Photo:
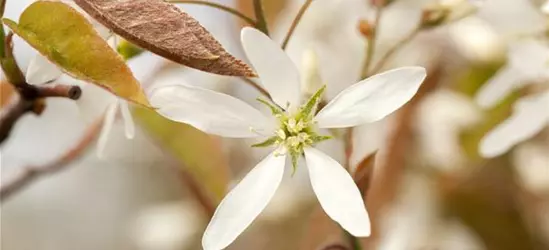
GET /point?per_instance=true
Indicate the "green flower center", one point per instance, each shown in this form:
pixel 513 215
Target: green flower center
pixel 296 131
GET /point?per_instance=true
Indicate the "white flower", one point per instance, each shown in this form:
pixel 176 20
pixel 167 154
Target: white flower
pixel 292 130
pixel 528 62
pixel 530 116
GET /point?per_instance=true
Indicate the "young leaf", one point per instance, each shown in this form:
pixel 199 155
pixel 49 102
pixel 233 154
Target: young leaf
pixel 67 39
pixel 164 29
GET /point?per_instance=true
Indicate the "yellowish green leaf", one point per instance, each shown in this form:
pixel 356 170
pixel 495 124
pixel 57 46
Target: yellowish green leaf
pixel 68 39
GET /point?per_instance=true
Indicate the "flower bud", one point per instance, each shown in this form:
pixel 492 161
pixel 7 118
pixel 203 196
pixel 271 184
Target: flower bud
pixel 433 16
pixel 310 81
pixel 365 28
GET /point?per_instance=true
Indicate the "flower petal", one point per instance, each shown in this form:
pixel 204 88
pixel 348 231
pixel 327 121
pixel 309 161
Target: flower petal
pixel 278 74
pixel 110 115
pixel 210 111
pixel 129 125
pixel 500 85
pixel 40 71
pixel 244 203
pixel 371 99
pixel 529 117
pixel 337 193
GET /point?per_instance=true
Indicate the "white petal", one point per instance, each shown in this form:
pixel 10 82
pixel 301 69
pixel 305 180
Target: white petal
pixel 94 101
pixel 278 74
pixel 129 125
pixel 244 203
pixel 499 86
pixel 530 116
pixel 337 193
pixel 530 57
pixel 40 71
pixel 110 116
pixel 371 99
pixel 210 111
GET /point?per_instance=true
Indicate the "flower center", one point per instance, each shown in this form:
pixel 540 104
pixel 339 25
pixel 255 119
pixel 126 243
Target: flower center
pixel 296 131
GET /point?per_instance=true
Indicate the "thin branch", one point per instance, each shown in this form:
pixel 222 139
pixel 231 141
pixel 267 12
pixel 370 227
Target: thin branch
pixel 261 20
pixel 66 91
pixel 31 173
pixel 11 114
pixel 372 40
pixel 296 21
pixel 398 46
pixel 256 86
pixel 29 100
pixel 219 6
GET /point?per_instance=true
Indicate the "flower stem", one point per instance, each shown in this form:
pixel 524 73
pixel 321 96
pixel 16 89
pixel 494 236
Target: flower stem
pixel 261 21
pixel 399 45
pixel 219 6
pixel 372 41
pixel 297 18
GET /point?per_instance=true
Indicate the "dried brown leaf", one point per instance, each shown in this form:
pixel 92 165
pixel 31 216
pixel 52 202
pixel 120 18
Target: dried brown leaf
pixel 363 173
pixel 164 29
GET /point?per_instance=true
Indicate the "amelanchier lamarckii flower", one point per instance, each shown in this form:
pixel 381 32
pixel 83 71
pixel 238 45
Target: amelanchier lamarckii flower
pixel 293 130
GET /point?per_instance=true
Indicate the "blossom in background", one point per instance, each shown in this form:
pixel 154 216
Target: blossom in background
pixel 292 130
pixel 527 63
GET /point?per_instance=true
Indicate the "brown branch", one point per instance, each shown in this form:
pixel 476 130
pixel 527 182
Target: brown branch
pixel 30 99
pixel 11 114
pixel 31 173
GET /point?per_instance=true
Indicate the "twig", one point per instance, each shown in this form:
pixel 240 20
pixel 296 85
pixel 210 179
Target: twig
pixel 218 6
pixel 399 45
pixel 372 40
pixel 30 99
pixel 261 21
pixel 31 173
pixel 296 21
pixel 11 114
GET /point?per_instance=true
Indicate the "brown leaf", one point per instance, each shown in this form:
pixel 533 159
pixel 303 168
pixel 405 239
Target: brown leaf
pixel 363 173
pixel 164 29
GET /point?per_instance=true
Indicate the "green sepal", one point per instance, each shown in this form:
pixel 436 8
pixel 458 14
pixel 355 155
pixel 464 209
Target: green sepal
pixel 295 156
pixel 275 109
pixel 320 138
pixel 307 111
pixel 269 142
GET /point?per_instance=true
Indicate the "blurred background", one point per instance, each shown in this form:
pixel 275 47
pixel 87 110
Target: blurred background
pixel 463 166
